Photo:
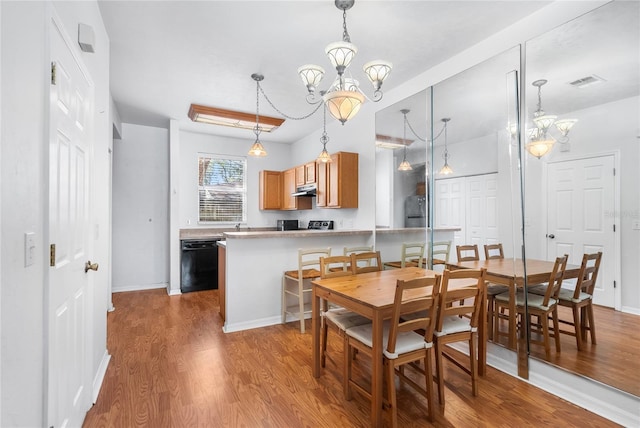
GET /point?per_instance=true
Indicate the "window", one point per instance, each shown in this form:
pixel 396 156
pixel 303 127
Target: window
pixel 222 188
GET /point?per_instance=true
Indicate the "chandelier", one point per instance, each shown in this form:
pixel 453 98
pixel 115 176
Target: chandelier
pixel 344 97
pixel 540 142
pixel 404 165
pixel 256 149
pixel 446 169
pixel 324 155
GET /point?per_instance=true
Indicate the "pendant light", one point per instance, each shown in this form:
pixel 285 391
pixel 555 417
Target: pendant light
pixel 324 156
pixel 446 169
pixel 256 149
pixel 404 165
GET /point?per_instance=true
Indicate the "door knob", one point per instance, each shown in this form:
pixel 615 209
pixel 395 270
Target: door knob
pixel 90 266
pixel 551 236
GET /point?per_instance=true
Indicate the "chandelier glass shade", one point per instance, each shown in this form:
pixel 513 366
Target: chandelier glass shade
pixel 257 150
pixel 540 142
pixel 344 98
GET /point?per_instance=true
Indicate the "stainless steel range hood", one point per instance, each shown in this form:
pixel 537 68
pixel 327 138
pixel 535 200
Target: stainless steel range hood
pixel 306 190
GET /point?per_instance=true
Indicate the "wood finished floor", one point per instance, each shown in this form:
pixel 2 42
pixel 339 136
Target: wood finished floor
pixel 172 366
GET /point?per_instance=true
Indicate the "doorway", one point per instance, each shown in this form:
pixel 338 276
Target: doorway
pixel 581 201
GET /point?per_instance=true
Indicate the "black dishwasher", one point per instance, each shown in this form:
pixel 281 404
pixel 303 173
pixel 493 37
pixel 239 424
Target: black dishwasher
pixel 199 265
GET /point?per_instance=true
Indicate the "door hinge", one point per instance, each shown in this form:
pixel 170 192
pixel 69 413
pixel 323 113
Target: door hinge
pixel 614 284
pixel 53 72
pixel 614 227
pixel 614 172
pixel 52 255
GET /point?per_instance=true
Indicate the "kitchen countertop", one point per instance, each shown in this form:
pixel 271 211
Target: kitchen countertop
pixel 305 233
pixel 415 229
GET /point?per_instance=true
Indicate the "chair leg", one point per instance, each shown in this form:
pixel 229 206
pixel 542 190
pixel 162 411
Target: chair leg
pixel 556 329
pixel 346 372
pixel 592 326
pixel 391 391
pixel 545 337
pixel 323 339
pixel 440 373
pixel 301 304
pixel 428 375
pixel 473 364
pixel 490 305
pixel 576 325
pixel 284 300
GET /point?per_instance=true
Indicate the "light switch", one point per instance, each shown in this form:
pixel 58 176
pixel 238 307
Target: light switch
pixel 29 248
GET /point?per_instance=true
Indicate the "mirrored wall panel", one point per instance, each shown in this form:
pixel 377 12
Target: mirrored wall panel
pixel 582 195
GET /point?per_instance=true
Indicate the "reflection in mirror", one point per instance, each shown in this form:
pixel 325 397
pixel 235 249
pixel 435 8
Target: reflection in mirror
pixel 480 191
pixel 575 203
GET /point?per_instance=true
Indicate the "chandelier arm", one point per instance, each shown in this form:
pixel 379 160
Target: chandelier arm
pixel 284 114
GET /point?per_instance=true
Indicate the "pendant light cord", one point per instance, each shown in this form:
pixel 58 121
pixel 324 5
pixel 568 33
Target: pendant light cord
pixel 284 114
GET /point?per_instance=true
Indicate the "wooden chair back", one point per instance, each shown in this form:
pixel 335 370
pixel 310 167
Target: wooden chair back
pixel 555 279
pixel 462 251
pixel 588 274
pixel 465 301
pixel 366 262
pixel 440 249
pixel 335 266
pixel 493 251
pixel 416 296
pixel 349 250
pixel 412 250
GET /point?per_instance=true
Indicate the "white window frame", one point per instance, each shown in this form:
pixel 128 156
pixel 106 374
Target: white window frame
pixel 242 191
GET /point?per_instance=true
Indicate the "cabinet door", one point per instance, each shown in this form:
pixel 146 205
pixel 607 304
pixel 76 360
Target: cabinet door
pixel 321 184
pixel 270 190
pixel 333 181
pixel 289 186
pixel 300 175
pixel 310 173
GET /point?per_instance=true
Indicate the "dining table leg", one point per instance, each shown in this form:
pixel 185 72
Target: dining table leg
pixel 377 378
pixel 513 315
pixel 482 337
pixel 315 329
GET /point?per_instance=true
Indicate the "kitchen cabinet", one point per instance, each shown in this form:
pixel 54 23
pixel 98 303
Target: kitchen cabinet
pixel 310 173
pixel 300 176
pixel 337 181
pixel 289 186
pixel 271 188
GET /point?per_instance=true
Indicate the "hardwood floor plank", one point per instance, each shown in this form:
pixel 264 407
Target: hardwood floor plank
pixel 172 366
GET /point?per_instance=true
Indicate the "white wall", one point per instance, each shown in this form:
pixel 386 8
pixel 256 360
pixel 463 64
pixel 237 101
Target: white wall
pixel 141 208
pixel 24 187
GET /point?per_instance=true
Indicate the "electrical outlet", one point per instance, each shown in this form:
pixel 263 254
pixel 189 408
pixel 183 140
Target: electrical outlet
pixel 636 225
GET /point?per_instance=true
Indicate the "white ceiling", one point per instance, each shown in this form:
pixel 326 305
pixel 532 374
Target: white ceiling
pixel 166 55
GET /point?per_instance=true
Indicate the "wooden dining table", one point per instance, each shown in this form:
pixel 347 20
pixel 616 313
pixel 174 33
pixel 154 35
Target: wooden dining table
pixel 510 272
pixel 372 295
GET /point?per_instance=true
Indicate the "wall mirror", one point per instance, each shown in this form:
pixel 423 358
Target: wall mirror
pixel 589 70
pixel 475 162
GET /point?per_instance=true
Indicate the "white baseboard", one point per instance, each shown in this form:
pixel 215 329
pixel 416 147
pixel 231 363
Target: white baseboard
pixel 99 377
pixel 138 287
pixel 611 403
pixel 630 310
pixel 264 322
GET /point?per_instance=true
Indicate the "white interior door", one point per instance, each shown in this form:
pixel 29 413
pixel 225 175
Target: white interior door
pixel 580 193
pixel 481 212
pixel 450 207
pixel 71 109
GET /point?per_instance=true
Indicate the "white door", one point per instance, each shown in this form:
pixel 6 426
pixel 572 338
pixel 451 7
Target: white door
pixel 450 207
pixel 71 109
pixel 580 193
pixel 481 212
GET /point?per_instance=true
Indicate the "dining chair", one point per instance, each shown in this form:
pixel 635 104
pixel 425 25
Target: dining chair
pixel 347 251
pixel 580 300
pixel 414 250
pixel 493 251
pixel 336 318
pixel 366 262
pixel 457 321
pixel 467 253
pixel 401 343
pixel 543 307
pixel 297 283
pixel 439 253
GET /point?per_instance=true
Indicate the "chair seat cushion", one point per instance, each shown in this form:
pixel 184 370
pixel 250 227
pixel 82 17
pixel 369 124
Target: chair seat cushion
pixel 494 289
pixel 345 319
pixel 533 300
pixel 454 324
pixel 406 342
pixel 567 295
pixel 306 274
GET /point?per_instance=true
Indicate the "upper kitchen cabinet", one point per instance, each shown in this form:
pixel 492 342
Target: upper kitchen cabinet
pixel 271 187
pixel 289 179
pixel 306 174
pixel 337 181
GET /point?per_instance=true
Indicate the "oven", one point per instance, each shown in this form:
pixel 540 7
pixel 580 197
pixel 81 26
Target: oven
pixel 198 265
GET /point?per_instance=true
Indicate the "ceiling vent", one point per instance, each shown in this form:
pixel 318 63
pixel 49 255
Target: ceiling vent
pixel 587 81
